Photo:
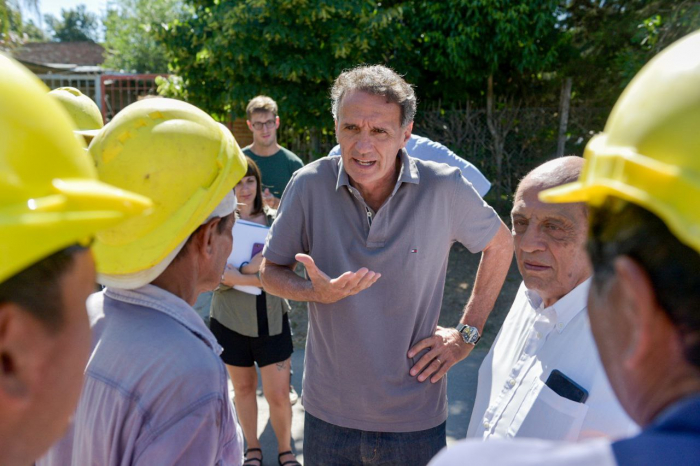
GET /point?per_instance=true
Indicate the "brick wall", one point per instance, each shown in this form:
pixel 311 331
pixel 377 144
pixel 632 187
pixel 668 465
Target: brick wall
pixel 241 132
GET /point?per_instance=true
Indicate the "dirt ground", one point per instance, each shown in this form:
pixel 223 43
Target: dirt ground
pixel 461 271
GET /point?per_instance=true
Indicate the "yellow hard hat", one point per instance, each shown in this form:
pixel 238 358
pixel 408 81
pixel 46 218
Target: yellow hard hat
pixel 649 152
pixel 178 156
pixel 82 109
pixel 50 197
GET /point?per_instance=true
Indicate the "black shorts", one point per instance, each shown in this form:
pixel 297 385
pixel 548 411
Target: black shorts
pixel 243 351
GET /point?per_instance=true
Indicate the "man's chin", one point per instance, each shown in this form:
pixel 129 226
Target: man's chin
pixel 266 142
pixel 535 283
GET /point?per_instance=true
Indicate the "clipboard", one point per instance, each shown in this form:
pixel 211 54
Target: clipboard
pixel 245 235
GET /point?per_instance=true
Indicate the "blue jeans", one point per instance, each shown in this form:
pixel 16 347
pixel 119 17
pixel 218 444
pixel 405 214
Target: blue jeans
pixel 328 444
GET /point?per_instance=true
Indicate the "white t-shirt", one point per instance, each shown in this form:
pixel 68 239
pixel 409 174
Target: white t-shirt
pixel 526 452
pixel 512 399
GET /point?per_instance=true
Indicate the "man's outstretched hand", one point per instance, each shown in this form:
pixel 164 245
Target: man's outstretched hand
pixel 329 290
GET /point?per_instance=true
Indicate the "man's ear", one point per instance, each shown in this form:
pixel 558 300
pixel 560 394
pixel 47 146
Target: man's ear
pixel 206 235
pixel 277 122
pixel 250 126
pixel 650 328
pixel 16 354
pixel 407 134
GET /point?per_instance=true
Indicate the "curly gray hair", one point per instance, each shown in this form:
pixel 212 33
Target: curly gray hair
pixel 376 80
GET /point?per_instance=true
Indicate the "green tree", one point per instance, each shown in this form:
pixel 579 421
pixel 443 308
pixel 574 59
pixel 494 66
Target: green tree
pixel 129 33
pixel 610 41
pixel 462 43
pixel 492 51
pixel 75 25
pixel 292 50
pixel 13 29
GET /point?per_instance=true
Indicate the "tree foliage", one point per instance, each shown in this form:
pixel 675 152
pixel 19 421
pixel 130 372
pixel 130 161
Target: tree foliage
pixel 229 51
pixel 610 41
pixel 74 25
pixel 129 34
pixel 14 30
pixel 461 43
pixel 292 50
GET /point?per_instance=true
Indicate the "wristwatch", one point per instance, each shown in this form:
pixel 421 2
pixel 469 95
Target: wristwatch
pixel 470 334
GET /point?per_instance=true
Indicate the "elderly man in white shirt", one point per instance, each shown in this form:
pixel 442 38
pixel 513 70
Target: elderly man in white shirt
pixel 547 329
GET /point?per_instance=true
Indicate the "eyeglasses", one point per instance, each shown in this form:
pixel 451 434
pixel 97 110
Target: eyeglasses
pixel 264 124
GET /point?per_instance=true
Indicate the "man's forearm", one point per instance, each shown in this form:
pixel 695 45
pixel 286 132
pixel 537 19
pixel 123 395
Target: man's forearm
pixel 244 280
pixel 282 281
pixel 493 268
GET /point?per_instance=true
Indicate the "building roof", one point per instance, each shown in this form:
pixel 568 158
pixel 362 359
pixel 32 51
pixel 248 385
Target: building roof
pixel 60 54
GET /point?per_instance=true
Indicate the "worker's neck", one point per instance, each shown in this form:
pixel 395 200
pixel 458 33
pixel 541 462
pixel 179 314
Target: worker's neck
pixel 674 386
pixel 181 279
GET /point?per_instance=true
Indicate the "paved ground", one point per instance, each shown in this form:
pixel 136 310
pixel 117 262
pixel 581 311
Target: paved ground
pixel 461 388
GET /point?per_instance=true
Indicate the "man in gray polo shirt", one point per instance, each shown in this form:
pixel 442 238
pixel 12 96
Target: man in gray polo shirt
pixel 383 224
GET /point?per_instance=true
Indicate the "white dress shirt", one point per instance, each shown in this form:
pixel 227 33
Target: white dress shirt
pixel 526 452
pixel 512 399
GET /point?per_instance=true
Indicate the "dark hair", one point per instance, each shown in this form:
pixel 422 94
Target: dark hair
pixel 253 170
pixel 37 289
pixel 376 80
pixel 619 228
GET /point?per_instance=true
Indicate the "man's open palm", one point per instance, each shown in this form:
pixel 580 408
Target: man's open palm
pixel 329 290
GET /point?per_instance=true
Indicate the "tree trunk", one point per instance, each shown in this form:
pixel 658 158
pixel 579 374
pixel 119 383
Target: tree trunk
pixel 496 136
pixel 564 103
pixel 315 143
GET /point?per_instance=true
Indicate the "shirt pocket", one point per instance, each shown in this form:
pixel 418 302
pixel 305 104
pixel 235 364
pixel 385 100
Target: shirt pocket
pixel 546 415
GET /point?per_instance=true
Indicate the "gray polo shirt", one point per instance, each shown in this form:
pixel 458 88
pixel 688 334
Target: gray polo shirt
pixel 356 369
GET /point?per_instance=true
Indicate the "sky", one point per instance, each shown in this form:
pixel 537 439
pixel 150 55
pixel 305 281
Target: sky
pixel 54 7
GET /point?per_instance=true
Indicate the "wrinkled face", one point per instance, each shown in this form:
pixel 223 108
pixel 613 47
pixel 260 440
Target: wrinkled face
pixel 264 127
pixel 612 333
pixel 223 244
pixel 246 190
pixel 370 135
pixel 549 244
pixel 65 352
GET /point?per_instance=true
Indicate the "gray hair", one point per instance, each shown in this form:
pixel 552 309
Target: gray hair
pixel 376 80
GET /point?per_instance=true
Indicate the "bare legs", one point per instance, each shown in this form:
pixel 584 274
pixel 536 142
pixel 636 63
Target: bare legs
pixel 245 381
pixel 275 381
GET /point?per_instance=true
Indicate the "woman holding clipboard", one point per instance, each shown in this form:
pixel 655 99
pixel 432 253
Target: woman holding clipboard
pixel 254 329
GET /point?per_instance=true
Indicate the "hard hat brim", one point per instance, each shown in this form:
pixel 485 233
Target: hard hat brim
pixel 571 192
pixel 87 133
pixel 75 210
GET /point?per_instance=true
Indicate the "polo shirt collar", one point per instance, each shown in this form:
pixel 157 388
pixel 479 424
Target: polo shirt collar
pixel 567 307
pixel 408 173
pixel 682 415
pixel 174 307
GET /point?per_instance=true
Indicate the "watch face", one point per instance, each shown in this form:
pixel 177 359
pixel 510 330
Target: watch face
pixel 470 334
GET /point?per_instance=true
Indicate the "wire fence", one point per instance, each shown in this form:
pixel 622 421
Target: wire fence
pixel 529 137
